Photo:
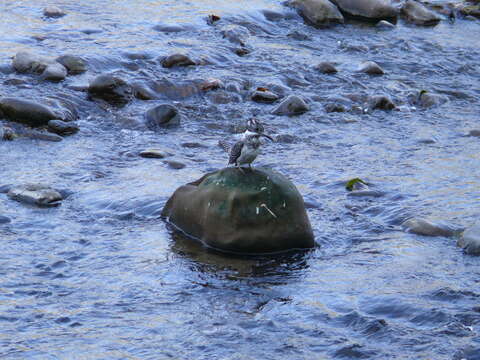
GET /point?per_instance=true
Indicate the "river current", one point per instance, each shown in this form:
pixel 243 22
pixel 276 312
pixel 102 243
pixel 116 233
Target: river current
pixel 103 277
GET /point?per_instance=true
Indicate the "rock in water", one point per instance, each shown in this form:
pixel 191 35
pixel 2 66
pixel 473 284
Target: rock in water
pixel 470 240
pixel 254 212
pixel 369 9
pixel 418 14
pixel 326 67
pixel 264 96
pixel 381 102
pixel 177 60
pixel 55 72
pixel 292 105
pixel 110 89
pixel 62 128
pixel 318 12
pixel 424 227
pixel 35 194
pixel 25 61
pixel 26 112
pixel 371 68
pixel 53 11
pixel 74 64
pixel 164 115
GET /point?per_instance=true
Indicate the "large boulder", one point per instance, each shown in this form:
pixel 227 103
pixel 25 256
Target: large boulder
pixel 255 211
pixel 111 89
pixel 26 112
pixel 318 12
pixel 418 14
pixel 369 9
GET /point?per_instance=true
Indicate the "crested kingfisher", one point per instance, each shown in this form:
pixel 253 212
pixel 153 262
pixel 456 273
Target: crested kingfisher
pixel 246 150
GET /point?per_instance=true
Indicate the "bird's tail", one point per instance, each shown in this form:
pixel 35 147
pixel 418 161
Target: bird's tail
pixel 224 145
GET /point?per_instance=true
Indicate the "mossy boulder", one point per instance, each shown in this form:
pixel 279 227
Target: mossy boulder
pixel 251 212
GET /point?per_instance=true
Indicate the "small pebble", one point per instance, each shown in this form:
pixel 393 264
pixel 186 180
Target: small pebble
pixel 53 11
pixel 175 164
pixel 154 153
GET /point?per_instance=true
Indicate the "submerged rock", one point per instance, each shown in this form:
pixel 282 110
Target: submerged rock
pixel 236 34
pixel 110 89
pixel 4 220
pixel 470 240
pixel 164 115
pixel 371 68
pixel 418 14
pixel 35 194
pixel 427 99
pixel 154 153
pixel 26 112
pixel 369 9
pixel 292 105
pixel 258 212
pixel 173 164
pixel 424 227
pixel 62 128
pixel 143 92
pixel 381 102
pixel 326 67
pixel 42 135
pixel 177 60
pixel 318 12
pixel 53 11
pixel 54 72
pixel 74 64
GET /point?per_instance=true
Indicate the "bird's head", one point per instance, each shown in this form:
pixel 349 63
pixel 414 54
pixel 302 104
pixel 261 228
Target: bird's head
pixel 255 126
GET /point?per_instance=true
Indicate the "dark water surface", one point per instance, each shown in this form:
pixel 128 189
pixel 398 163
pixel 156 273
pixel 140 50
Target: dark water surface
pixel 101 276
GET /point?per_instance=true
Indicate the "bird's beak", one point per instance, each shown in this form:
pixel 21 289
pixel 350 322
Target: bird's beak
pixel 268 137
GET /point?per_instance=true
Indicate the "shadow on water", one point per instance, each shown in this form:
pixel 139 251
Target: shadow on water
pixel 284 266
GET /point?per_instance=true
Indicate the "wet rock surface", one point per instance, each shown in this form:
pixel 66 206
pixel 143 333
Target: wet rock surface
pixel 371 68
pixel 259 213
pixel 162 116
pixel 326 68
pixel 177 60
pixel 54 72
pixel 369 9
pixel 418 14
pixel 111 89
pixel 292 105
pixel 62 128
pixel 34 194
pixel 424 227
pixel 470 240
pixel 26 111
pixel 318 12
pixel 74 64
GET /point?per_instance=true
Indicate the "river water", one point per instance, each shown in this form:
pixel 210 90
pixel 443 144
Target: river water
pixel 102 277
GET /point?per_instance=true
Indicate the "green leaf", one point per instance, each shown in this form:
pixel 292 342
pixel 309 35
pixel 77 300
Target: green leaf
pixel 351 183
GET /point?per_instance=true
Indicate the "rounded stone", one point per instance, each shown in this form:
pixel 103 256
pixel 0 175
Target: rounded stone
pixel 292 105
pixel 264 96
pixel 470 240
pixel 153 153
pixel 381 102
pixel 164 115
pixel 371 68
pixel 256 212
pixel 4 220
pixel 424 227
pixel 53 11
pixel 74 64
pixel 54 72
pixel 418 14
pixel 326 67
pixel 177 60
pixel 62 128
pixel 110 89
pixel 368 9
pixel 26 112
pixel 35 194
pixel 318 12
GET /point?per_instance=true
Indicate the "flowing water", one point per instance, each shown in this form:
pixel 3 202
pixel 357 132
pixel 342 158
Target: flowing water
pixel 102 276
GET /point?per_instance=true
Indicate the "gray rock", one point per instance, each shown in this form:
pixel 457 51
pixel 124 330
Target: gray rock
pixel 371 68
pixel 418 14
pixel 53 11
pixel 470 240
pixel 35 194
pixel 110 89
pixel 143 91
pixel 177 165
pixel 74 64
pixel 384 25
pixel 318 12
pixel 44 136
pixel 264 96
pixel 62 128
pixel 164 115
pixel 4 220
pixel 177 60
pixel 474 132
pixel 26 112
pixel 154 153
pixel 236 34
pixel 335 107
pixel 25 61
pixel 381 102
pixel 370 9
pixel 326 67
pixel 424 227
pixel 55 72
pixel 292 105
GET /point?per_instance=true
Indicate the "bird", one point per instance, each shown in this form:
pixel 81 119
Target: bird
pixel 246 150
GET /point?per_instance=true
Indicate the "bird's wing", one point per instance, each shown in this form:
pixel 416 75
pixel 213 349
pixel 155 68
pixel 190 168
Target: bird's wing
pixel 235 152
pixel 224 145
